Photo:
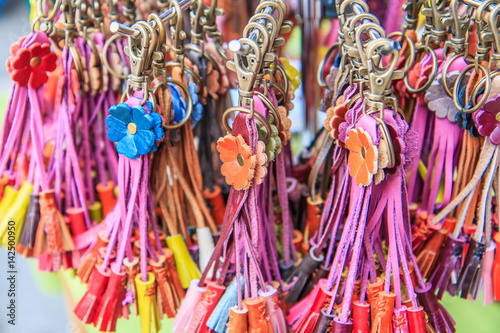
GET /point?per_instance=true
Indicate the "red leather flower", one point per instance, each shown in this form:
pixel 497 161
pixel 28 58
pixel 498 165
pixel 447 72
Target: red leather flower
pixel 29 65
pixel 14 47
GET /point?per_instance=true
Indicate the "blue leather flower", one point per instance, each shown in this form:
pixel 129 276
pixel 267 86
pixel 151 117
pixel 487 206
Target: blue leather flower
pixel 197 112
pixel 135 131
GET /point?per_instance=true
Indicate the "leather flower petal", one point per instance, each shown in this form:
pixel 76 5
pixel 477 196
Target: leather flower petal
pixel 238 161
pixel 363 156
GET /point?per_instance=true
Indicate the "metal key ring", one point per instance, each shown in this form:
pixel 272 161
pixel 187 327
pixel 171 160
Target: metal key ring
pixel 409 65
pixel 433 74
pixel 319 76
pixel 105 57
pixel 480 84
pixel 189 102
pixel 458 82
pixel 263 120
pixel 270 107
pixel 444 73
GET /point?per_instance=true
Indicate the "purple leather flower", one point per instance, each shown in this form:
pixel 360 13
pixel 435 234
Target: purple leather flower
pixel 486 119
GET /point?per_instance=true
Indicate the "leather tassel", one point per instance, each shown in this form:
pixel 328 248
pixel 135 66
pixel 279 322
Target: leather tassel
pixel 206 247
pixel 303 271
pixel 166 295
pixel 146 301
pixel 439 319
pixel 470 276
pixel 495 271
pixel 89 261
pixel 338 327
pixel 446 272
pixel 110 306
pixel 309 321
pixel 186 268
pixel 238 320
pixel 129 303
pixel 416 320
pixel 86 309
pixel 27 240
pixel 257 319
pixel 220 315
pixel 16 213
pixel 53 236
pixel 193 296
pixel 372 293
pixel 400 321
pixel 204 308
pixel 107 197
pixel 382 322
pixel 427 257
pixel 360 317
pixel 299 310
pixel 274 313
pixel 216 202
pixel 488 296
pixel 324 322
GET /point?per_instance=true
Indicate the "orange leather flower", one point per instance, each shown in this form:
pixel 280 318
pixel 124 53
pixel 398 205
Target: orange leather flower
pixel 238 161
pixel 260 166
pixel 286 124
pixel 363 156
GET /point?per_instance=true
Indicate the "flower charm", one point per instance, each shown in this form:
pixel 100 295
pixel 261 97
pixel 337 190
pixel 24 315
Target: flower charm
pixel 135 131
pixel 335 116
pixel 239 165
pixel 197 112
pixel 286 124
pixel 363 156
pixel 437 99
pixel 487 119
pixel 28 66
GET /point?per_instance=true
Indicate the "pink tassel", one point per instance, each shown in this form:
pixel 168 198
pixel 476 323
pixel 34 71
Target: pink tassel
pixel 204 308
pixel 193 296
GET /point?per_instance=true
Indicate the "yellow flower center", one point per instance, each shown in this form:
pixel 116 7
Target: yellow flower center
pixel 35 62
pixel 132 128
pixel 363 152
pixel 240 159
pixel 497 117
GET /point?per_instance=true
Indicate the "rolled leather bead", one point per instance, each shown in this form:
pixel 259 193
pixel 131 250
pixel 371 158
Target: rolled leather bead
pixel 338 327
pixel 324 321
pixel 360 317
pixel 400 321
pixel 238 320
pixel 382 322
pixel 416 320
pixel 320 273
pixel 372 294
pixel 257 319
